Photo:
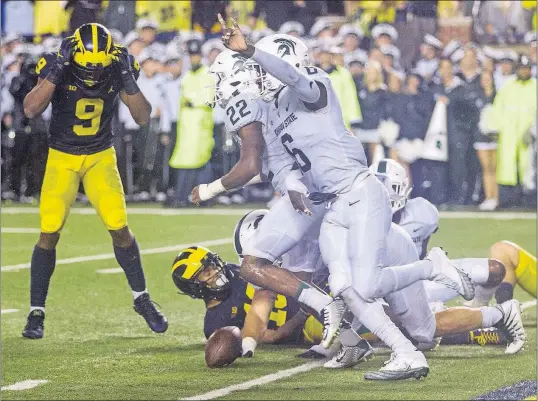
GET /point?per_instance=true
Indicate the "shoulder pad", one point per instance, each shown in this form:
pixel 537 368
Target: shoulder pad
pixel 425 211
pixel 240 111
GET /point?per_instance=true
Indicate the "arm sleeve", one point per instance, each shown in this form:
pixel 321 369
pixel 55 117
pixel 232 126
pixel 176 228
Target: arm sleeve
pixel 306 88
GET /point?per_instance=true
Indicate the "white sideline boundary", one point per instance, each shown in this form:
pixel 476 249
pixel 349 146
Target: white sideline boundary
pixel 240 212
pixel 112 270
pixel 528 305
pixel 104 256
pixel 281 374
pixel 24 385
pixel 20 230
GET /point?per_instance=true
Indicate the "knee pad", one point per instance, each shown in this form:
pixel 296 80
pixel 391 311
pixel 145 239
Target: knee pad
pixel 497 272
pixel 115 219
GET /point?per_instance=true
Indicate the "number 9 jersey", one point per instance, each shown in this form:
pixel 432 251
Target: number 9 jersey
pixel 81 122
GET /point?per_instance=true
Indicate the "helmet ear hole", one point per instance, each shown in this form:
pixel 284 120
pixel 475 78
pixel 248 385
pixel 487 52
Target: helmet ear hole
pixel 297 65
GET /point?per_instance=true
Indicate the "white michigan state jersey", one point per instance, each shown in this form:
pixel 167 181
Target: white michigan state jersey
pixel 420 219
pixel 327 152
pixel 241 110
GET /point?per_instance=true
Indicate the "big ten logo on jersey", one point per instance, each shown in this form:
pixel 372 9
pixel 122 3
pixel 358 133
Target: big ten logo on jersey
pixel 278 314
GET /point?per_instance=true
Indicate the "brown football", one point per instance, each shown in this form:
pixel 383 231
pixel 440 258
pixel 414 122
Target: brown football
pixel 223 347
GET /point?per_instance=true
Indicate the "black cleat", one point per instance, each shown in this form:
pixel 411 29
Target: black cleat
pixel 145 307
pixel 311 354
pixel 34 325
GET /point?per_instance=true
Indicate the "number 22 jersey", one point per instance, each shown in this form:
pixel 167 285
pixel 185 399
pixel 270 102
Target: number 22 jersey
pixel 82 116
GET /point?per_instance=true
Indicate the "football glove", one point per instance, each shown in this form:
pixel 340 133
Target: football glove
pixel 122 62
pixel 63 60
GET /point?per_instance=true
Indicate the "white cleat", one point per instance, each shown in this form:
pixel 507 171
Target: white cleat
pixel 447 274
pixel 350 356
pixel 332 319
pixel 512 324
pixel 401 366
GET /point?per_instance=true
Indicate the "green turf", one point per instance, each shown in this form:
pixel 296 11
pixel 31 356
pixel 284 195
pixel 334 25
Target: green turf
pixel 96 347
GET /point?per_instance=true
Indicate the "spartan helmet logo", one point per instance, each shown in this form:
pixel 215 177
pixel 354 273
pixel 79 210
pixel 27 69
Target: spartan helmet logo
pixel 239 62
pixel 286 46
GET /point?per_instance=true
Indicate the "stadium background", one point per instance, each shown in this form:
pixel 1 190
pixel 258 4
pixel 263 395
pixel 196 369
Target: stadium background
pixel 396 98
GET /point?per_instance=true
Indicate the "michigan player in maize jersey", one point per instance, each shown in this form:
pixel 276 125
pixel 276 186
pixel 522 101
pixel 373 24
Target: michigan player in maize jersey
pixel 508 263
pixel 231 301
pixel 84 81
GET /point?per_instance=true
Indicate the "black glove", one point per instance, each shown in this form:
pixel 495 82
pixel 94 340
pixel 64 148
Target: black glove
pixel 123 64
pixel 63 60
pixel 318 198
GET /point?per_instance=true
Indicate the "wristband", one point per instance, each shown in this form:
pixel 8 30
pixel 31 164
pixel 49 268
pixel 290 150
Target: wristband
pixel 208 191
pixel 249 345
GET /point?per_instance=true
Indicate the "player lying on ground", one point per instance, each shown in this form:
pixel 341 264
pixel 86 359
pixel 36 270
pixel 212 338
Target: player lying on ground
pixel 420 219
pixel 83 81
pixel 230 301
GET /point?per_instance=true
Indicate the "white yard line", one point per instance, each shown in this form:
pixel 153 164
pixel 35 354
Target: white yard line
pixel 112 270
pixel 19 230
pixel 104 256
pixel 152 211
pixel 528 305
pixel 281 374
pixel 25 385
pixel 4 311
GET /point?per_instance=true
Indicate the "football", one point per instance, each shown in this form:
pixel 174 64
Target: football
pixel 223 347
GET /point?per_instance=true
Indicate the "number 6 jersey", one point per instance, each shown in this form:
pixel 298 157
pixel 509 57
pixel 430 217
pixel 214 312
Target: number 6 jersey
pixel 82 116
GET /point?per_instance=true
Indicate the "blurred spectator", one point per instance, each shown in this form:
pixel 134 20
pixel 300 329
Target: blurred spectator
pixel 461 123
pixel 489 59
pixel 30 142
pixel 530 41
pixel 343 85
pixel 292 28
pixel 352 37
pixel 170 15
pixel 173 69
pixel 195 141
pixel 134 43
pixel 514 113
pixel 500 22
pixel 322 30
pixel 276 12
pixel 204 16
pixel 372 95
pixel 147 29
pixel 241 11
pixel 355 62
pixel 428 62
pixel 83 12
pixel 395 106
pixel 391 59
pixel 211 49
pixel 485 143
pixel 120 15
pixel 150 140
pixel 384 35
pixel 505 68
pixel 377 55
pixel 18 17
pixel 9 42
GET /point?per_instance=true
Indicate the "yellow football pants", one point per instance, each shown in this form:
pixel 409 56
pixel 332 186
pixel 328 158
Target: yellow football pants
pixel 102 184
pixel 526 272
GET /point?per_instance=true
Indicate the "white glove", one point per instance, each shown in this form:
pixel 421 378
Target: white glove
pixel 388 131
pixel 209 191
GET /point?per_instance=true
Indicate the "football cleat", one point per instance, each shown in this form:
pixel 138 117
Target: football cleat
pixel 512 324
pixel 145 307
pixel 332 319
pixel 34 325
pixel 447 274
pixel 401 366
pixel 351 356
pixel 318 352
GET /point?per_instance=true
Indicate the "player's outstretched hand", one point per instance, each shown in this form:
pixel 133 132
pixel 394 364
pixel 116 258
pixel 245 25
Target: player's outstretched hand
pixel 120 57
pixel 298 202
pixel 232 37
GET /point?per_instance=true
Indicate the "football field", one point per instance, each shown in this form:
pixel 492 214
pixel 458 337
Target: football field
pixel 97 347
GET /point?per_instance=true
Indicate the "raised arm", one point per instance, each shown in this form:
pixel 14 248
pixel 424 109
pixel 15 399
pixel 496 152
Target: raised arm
pixel 39 98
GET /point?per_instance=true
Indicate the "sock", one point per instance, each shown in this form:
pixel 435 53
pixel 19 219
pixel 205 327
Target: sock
pixel 129 260
pixel 483 295
pixel 476 268
pixel 312 297
pixel 33 308
pixel 490 316
pixel 41 269
pixel 372 315
pixel 393 279
pixel 136 294
pixel 504 292
pixel 349 338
